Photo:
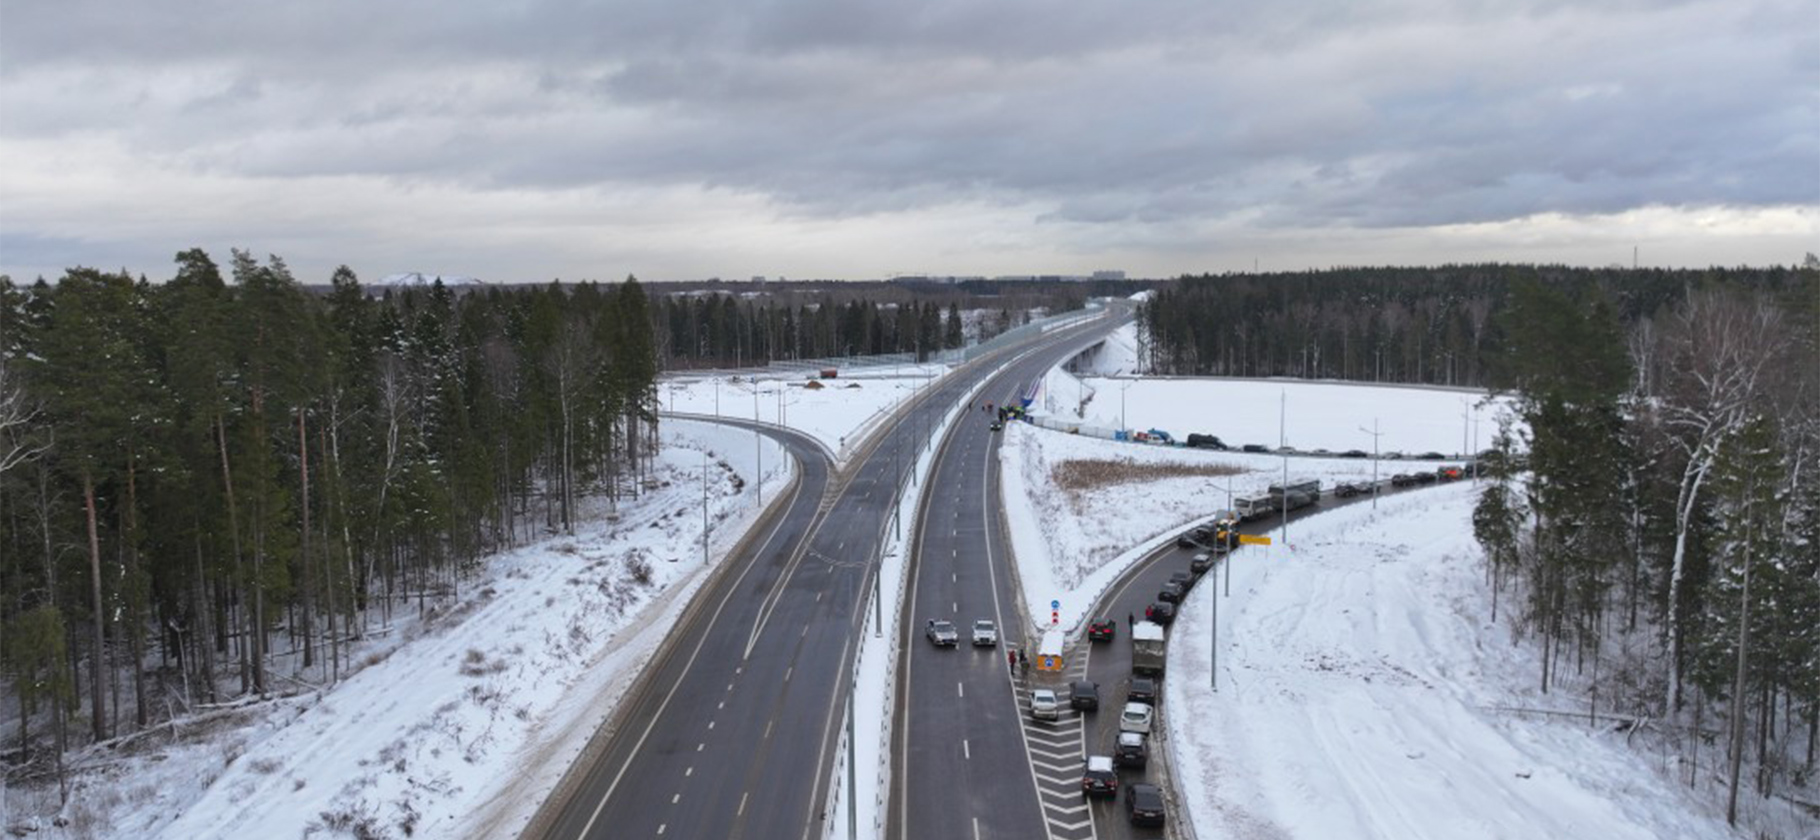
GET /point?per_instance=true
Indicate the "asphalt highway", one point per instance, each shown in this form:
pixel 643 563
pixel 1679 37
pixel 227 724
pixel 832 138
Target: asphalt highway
pixel 731 731
pixel 961 746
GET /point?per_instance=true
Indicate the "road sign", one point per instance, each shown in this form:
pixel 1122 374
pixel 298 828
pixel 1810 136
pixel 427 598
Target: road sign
pixel 1248 539
pixel 1055 605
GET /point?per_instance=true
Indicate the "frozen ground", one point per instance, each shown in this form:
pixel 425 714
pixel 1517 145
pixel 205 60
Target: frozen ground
pixel 1316 414
pixel 837 412
pixel 457 722
pixel 1355 676
pixel 1358 666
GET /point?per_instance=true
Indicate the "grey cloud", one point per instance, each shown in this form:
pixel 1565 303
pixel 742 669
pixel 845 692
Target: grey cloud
pixel 1324 113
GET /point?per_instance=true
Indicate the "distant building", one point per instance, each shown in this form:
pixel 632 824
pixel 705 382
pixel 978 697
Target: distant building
pixel 1109 274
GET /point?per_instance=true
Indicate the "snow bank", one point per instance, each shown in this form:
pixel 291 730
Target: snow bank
pixel 457 722
pixel 1355 670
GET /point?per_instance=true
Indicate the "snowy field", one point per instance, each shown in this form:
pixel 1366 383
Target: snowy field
pixel 1304 414
pixel 837 412
pixel 1358 666
pixel 1355 675
pixel 457 722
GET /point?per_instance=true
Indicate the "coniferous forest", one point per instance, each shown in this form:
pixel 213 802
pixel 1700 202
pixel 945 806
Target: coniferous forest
pixel 1653 520
pixel 212 484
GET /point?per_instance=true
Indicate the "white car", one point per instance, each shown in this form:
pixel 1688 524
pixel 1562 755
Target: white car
pixel 1044 706
pixel 985 633
pixel 1136 718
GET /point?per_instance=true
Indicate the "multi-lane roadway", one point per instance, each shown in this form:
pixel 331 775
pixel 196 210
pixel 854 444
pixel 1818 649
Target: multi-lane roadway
pixel 731 731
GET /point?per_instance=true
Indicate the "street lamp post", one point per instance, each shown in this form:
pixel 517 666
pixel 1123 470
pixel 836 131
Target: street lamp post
pixel 1375 434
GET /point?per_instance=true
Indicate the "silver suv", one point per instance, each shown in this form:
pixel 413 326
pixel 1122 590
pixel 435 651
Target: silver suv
pixel 941 633
pixel 985 633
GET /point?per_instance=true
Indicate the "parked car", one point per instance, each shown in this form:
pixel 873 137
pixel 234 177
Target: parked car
pixel 1136 718
pixel 1143 690
pixel 1450 473
pixel 1424 477
pixel 1286 450
pixel 1129 750
pixel 1345 490
pixel 1186 579
pixel 1161 612
pixel 1171 593
pixel 1144 804
pixel 1102 629
pixel 1084 696
pixel 1431 456
pixel 941 632
pixel 1402 480
pixel 1392 456
pixel 1255 447
pixel 1355 453
pixel 1100 779
pixel 1320 452
pixel 1044 706
pixel 985 633
pixel 1201 563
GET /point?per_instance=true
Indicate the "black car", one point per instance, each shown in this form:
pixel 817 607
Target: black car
pixel 1171 593
pixel 1144 804
pixel 1161 612
pixel 1201 563
pixel 1194 538
pixel 1200 441
pixel 1186 579
pixel 1424 478
pixel 1100 778
pixel 1347 491
pixel 1402 480
pixel 1354 453
pixel 1084 696
pixel 998 425
pixel 1255 447
pixel 1431 456
pixel 1130 751
pixel 1102 629
pixel 1143 690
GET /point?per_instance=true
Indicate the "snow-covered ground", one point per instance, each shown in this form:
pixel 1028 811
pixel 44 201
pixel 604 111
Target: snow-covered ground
pixel 1358 667
pixel 1305 414
pixel 456 722
pixel 1356 674
pixel 837 412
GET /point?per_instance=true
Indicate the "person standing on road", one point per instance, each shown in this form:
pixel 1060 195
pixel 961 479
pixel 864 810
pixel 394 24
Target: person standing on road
pixel 1011 658
pixel 1130 621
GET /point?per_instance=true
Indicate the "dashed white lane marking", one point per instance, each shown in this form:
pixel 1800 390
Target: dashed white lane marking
pixel 699 746
pixel 961 689
pixel 662 826
pixel 688 771
pixel 768 727
pixel 788 671
pixel 966 750
pixel 710 724
pixel 675 798
pixel 742 804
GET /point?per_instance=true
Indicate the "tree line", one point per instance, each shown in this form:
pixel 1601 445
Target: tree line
pixel 210 486
pixel 1384 324
pixel 1661 530
pixel 1652 517
pixel 736 325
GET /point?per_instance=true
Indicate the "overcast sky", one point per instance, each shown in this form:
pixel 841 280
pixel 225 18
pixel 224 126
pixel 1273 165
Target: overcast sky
pixel 530 140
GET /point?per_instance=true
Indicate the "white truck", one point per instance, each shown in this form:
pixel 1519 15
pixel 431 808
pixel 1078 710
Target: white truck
pixel 1147 648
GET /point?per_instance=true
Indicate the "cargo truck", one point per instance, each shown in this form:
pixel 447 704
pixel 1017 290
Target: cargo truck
pixel 1147 648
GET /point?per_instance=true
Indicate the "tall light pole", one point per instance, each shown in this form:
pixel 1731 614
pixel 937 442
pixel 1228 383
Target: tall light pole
pixel 1283 447
pixel 758 449
pixel 1122 426
pixel 1375 434
pixel 704 507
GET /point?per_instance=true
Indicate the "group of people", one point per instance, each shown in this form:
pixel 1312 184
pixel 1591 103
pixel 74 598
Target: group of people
pixel 1017 660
